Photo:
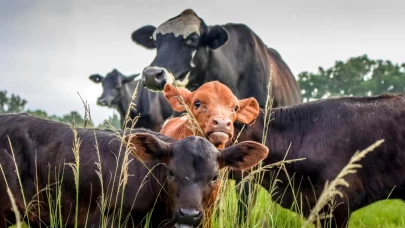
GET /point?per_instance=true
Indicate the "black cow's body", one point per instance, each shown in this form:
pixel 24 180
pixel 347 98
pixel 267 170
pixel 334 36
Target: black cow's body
pixel 118 89
pixel 44 148
pixel 327 133
pixel 190 53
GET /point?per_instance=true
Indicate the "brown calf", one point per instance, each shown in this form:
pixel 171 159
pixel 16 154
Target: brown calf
pixel 215 109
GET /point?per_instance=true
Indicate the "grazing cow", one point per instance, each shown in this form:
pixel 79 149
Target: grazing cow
pixel 215 109
pixel 327 133
pixel 174 178
pixel 190 53
pixel 118 89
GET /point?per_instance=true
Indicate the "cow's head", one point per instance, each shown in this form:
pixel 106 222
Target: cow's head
pixel 193 165
pixel 177 41
pixel 113 87
pixel 215 108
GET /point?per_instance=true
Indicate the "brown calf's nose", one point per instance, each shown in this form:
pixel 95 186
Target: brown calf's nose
pixel 221 123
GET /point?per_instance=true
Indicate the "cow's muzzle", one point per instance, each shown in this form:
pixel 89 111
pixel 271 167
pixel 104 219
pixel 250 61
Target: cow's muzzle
pixel 185 217
pixel 155 78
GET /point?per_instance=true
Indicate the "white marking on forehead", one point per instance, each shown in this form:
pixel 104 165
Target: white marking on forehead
pixel 183 25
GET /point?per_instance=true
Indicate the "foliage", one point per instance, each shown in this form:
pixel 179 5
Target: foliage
pixel 12 104
pixel 16 104
pixel 359 76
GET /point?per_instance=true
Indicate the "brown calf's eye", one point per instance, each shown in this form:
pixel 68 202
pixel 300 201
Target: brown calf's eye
pixel 197 104
pixel 236 108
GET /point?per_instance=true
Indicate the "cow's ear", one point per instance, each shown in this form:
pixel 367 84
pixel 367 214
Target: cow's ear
pixel 248 110
pixel 146 147
pixel 96 78
pixel 174 94
pixel 129 78
pixel 243 155
pixel 143 36
pixel 215 37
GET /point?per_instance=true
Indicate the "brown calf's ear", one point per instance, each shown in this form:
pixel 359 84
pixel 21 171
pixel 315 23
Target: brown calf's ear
pixel 248 110
pixel 146 147
pixel 173 94
pixel 243 155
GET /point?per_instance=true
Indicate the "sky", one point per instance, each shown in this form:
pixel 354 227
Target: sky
pixel 49 48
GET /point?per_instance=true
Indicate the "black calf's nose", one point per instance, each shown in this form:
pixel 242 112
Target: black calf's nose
pixel 189 216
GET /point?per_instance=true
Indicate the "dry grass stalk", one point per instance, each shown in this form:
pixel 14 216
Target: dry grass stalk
pixel 330 190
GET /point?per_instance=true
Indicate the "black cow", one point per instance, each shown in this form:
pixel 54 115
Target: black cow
pixel 118 89
pixel 191 53
pixel 174 178
pixel 327 133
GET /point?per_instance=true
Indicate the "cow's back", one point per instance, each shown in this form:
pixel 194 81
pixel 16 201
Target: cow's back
pixel 245 65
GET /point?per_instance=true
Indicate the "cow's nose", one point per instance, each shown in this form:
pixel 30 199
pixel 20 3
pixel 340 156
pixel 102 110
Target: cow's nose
pixel 221 124
pixel 189 216
pixel 153 72
pixel 154 78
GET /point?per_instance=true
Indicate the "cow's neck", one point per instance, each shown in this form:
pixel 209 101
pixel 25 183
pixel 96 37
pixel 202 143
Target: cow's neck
pixel 284 129
pixel 126 98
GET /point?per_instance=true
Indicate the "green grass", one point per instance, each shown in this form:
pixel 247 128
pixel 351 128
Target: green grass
pixel 386 213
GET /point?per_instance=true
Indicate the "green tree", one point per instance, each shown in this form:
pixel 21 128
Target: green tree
pixel 114 120
pixel 359 76
pixel 13 104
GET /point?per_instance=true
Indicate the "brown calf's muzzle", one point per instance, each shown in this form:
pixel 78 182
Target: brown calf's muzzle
pixel 219 130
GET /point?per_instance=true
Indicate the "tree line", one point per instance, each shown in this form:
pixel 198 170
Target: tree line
pixel 15 104
pixel 358 76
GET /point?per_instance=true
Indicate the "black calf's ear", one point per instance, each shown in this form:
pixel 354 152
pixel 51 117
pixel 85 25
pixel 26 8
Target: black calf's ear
pixel 129 78
pixel 215 37
pixel 146 147
pixel 143 36
pixel 96 78
pixel 243 155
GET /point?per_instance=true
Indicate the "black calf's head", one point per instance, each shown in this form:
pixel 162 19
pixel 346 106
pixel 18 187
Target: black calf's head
pixel 192 170
pixel 177 41
pixel 113 89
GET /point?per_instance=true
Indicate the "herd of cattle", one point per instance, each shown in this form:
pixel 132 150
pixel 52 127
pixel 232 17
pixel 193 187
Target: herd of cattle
pixel 212 83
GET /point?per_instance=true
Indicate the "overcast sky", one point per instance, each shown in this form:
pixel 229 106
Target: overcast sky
pixel 49 48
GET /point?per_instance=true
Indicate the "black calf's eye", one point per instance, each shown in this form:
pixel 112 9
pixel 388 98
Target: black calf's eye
pixel 171 174
pixel 197 104
pixel 215 178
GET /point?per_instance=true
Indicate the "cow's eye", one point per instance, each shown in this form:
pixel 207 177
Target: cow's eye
pixel 197 104
pixel 171 174
pixel 191 41
pixel 236 108
pixel 215 178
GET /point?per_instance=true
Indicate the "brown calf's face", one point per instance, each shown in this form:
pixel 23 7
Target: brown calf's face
pixel 193 164
pixel 215 108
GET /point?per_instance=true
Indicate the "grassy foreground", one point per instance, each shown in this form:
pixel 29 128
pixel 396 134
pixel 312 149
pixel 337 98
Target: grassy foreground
pixel 386 213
